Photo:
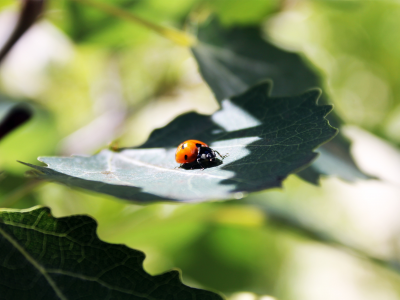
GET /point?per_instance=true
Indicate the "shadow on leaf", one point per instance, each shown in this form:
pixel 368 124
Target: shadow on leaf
pixel 266 138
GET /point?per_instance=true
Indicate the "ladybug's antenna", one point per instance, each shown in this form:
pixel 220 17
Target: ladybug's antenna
pixel 222 156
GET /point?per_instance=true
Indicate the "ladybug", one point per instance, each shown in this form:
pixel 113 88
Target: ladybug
pixel 195 151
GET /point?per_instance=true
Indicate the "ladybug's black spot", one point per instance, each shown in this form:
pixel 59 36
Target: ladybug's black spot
pixel 185 157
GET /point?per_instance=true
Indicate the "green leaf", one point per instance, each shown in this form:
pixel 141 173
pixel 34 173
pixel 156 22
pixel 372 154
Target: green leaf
pixel 91 25
pixel 42 257
pixel 86 22
pixel 232 60
pixel 266 139
pixel 234 12
pixel 14 191
pixel 12 115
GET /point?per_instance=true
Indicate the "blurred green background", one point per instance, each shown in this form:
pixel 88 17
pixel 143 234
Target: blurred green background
pixel 86 72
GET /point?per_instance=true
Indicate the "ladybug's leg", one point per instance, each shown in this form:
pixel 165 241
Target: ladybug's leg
pixel 222 156
pixel 199 157
pixel 198 161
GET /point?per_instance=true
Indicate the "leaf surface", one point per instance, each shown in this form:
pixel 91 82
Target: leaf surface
pixel 231 60
pixel 42 257
pixel 266 139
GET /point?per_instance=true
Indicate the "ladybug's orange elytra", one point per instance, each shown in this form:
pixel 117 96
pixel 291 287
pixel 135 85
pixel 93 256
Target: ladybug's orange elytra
pixel 188 150
pixel 194 150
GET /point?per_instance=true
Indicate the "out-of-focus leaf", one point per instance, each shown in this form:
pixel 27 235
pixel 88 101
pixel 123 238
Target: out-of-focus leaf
pixel 232 258
pixel 88 24
pixel 235 12
pixel 12 191
pixel 86 21
pixel 6 3
pixel 231 60
pixel 47 258
pixel 266 139
pixel 29 12
pixel 358 62
pixel 12 115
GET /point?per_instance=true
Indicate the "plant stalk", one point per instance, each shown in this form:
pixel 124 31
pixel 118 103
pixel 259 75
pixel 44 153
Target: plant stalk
pixel 179 37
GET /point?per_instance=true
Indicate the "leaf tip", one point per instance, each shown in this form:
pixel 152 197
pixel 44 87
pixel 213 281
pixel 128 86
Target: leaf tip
pixel 36 172
pixel 24 163
pixel 313 95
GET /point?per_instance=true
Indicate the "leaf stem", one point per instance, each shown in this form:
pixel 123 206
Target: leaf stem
pixel 177 36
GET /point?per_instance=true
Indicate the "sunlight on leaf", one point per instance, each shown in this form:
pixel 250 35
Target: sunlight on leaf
pixel 231 60
pixel 266 139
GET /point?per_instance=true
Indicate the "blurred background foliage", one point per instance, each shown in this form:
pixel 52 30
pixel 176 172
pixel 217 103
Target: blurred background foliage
pixel 85 72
